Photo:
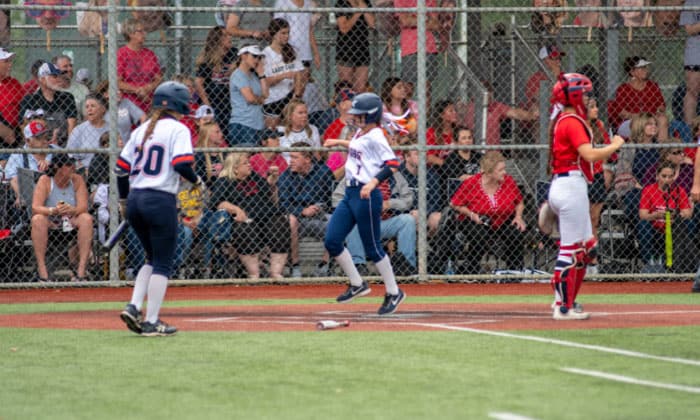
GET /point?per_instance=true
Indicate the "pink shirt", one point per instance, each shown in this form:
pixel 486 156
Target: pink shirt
pixel 409 36
pixel 137 68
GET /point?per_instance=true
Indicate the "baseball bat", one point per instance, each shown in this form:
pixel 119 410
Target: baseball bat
pixel 116 236
pixel 668 239
pixel 330 324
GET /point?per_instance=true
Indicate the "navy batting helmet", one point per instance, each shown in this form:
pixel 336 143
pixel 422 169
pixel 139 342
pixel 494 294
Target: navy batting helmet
pixel 173 96
pixel 368 104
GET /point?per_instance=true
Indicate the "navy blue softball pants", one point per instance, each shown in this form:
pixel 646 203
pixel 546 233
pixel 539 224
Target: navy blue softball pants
pixel 366 214
pixel 153 215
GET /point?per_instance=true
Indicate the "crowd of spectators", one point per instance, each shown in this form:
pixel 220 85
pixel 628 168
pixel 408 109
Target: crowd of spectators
pixel 253 86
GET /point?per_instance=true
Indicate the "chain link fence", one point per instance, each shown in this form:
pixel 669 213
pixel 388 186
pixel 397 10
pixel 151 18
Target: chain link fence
pixel 466 93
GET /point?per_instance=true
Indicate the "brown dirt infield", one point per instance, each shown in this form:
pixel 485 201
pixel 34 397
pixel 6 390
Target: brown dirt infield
pixel 410 317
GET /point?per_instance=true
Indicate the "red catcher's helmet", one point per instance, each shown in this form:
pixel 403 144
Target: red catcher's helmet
pixel 569 91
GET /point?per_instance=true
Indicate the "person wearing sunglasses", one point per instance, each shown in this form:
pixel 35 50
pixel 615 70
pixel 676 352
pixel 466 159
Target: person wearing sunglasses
pixel 138 70
pixel 249 91
pixel 36 136
pixel 60 111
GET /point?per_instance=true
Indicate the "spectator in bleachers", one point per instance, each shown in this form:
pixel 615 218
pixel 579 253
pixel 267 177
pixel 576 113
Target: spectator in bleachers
pixel 87 134
pixel 496 113
pixel 283 72
pixel 435 200
pixel 690 20
pixel 463 163
pixel 551 57
pixel 79 91
pixel 396 223
pixel 409 43
pixel 305 191
pixel 683 163
pixel 296 128
pixel 260 221
pixel 398 108
pixel 591 19
pixel 84 77
pixel 352 55
pixel 341 128
pixel 602 178
pixel 58 195
pixel 208 165
pixel 214 66
pixel 656 200
pixel 129 115
pixel 190 120
pixel 98 172
pixel 268 161
pixel 321 114
pixel 12 90
pixel 249 27
pixel 138 70
pixel 638 94
pixel 678 127
pixel 301 34
pixel 36 136
pixel 31 85
pixel 248 94
pixel 60 112
pixel 488 205
pixel 441 132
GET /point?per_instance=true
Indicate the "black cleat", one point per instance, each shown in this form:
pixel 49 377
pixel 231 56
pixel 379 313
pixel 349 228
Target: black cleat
pixel 354 291
pixel 158 329
pixel 132 317
pixel 391 302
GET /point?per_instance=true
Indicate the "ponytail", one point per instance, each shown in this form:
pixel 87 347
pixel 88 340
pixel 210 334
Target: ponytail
pixel 156 116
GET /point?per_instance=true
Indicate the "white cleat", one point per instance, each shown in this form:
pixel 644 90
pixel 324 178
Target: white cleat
pixel 570 315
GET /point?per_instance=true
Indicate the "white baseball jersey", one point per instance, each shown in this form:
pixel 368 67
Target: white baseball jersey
pixel 367 154
pixel 150 163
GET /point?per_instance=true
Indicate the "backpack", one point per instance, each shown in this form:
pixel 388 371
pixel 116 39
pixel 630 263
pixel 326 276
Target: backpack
pixel 151 20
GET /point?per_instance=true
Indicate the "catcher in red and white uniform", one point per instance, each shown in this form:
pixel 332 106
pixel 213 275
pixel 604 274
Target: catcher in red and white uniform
pixel 571 158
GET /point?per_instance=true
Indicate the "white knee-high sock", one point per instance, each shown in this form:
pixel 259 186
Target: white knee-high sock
pixel 156 293
pixel 387 273
pixel 344 260
pixel 141 285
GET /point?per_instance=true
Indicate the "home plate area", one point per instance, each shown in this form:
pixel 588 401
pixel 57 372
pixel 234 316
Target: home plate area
pixel 424 317
pixel 363 317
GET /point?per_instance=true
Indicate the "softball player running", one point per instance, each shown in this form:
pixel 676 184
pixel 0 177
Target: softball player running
pixel 370 161
pixel 149 169
pixel 571 157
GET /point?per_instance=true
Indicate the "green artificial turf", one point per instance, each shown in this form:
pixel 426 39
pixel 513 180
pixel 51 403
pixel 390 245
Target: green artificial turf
pixel 68 374
pixel 346 374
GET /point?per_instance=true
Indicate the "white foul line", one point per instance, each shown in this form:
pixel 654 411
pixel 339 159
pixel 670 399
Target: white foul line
pixel 630 380
pixel 563 343
pixel 508 416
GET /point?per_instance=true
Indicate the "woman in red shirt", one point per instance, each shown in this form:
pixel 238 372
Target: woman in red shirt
pixel 571 158
pixel 490 205
pixel 138 70
pixel 639 94
pixel 656 199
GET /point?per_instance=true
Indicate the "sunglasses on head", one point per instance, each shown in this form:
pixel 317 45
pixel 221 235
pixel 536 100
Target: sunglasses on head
pixel 37 13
